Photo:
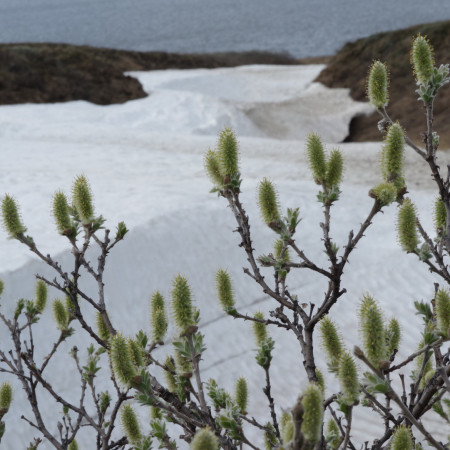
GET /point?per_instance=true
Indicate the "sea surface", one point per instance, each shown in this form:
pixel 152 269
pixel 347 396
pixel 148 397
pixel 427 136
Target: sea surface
pixel 299 27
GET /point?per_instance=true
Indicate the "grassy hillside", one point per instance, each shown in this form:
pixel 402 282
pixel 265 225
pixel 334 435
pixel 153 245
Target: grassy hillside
pixel 349 67
pixel 40 73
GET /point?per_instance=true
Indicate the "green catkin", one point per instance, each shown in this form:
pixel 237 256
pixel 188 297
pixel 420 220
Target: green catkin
pixel 159 320
pixel 393 156
pixel 224 290
pixel 259 329
pixel 155 413
pixel 393 335
pixel 407 226
pixel 137 352
pixel 270 439
pixel 11 217
pixel 333 435
pixel 213 169
pixel 312 402
pixel 2 286
pixel 331 341
pixel 348 379
pixel 277 248
pixel 5 396
pixel 422 59
pixel 60 314
pixel 402 439
pixel 440 216
pixel 268 202
pixel 378 85
pixel 286 427
pixel 228 153
pixel 320 380
pixel 316 158
pixel 335 168
pixel 122 359
pixel 442 309
pixel 102 329
pixel 204 439
pixel 170 377
pixel 372 330
pixel 61 214
pixel 241 394
pixel 73 445
pixel 105 401
pixel 41 296
pixel 82 199
pixel 385 193
pixel 130 424
pixel 182 304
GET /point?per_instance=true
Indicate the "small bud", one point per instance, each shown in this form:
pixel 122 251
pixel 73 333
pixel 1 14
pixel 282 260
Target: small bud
pixel 11 217
pixel 259 329
pixel 122 359
pixel 287 427
pixel 41 296
pixel 268 202
pixel 61 213
pixel 372 330
pixel 170 378
pixel 277 249
pixel 312 402
pixel 443 311
pixel 204 439
pixel 393 155
pixel 407 226
pixel 440 216
pixel 385 193
pixel 212 167
pixel 121 231
pixel 241 394
pixel 228 153
pixel 393 334
pixel 159 317
pixel 335 168
pixel 105 401
pixel 348 379
pixel 5 395
pixel 73 445
pixel 316 157
pixel 102 329
pixel 224 290
pixel 82 199
pixel 331 340
pixel 422 59
pixel 378 85
pixel 182 303
pixel 402 439
pixel 130 424
pixel 60 314
pixel 333 435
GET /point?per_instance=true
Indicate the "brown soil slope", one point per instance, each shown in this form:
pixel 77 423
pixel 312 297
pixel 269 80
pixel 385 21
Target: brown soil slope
pixel 47 73
pixel 349 68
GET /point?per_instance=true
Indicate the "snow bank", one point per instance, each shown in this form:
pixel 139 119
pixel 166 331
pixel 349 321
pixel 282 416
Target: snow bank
pixel 144 160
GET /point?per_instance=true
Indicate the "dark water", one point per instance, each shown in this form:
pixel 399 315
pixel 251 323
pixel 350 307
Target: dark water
pixel 300 27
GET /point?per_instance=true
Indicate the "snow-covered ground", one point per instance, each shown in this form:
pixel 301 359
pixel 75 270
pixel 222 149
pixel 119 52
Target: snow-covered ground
pixel 144 160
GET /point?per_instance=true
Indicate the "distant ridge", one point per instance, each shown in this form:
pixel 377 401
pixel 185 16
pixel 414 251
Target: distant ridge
pixel 49 73
pixel 349 67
